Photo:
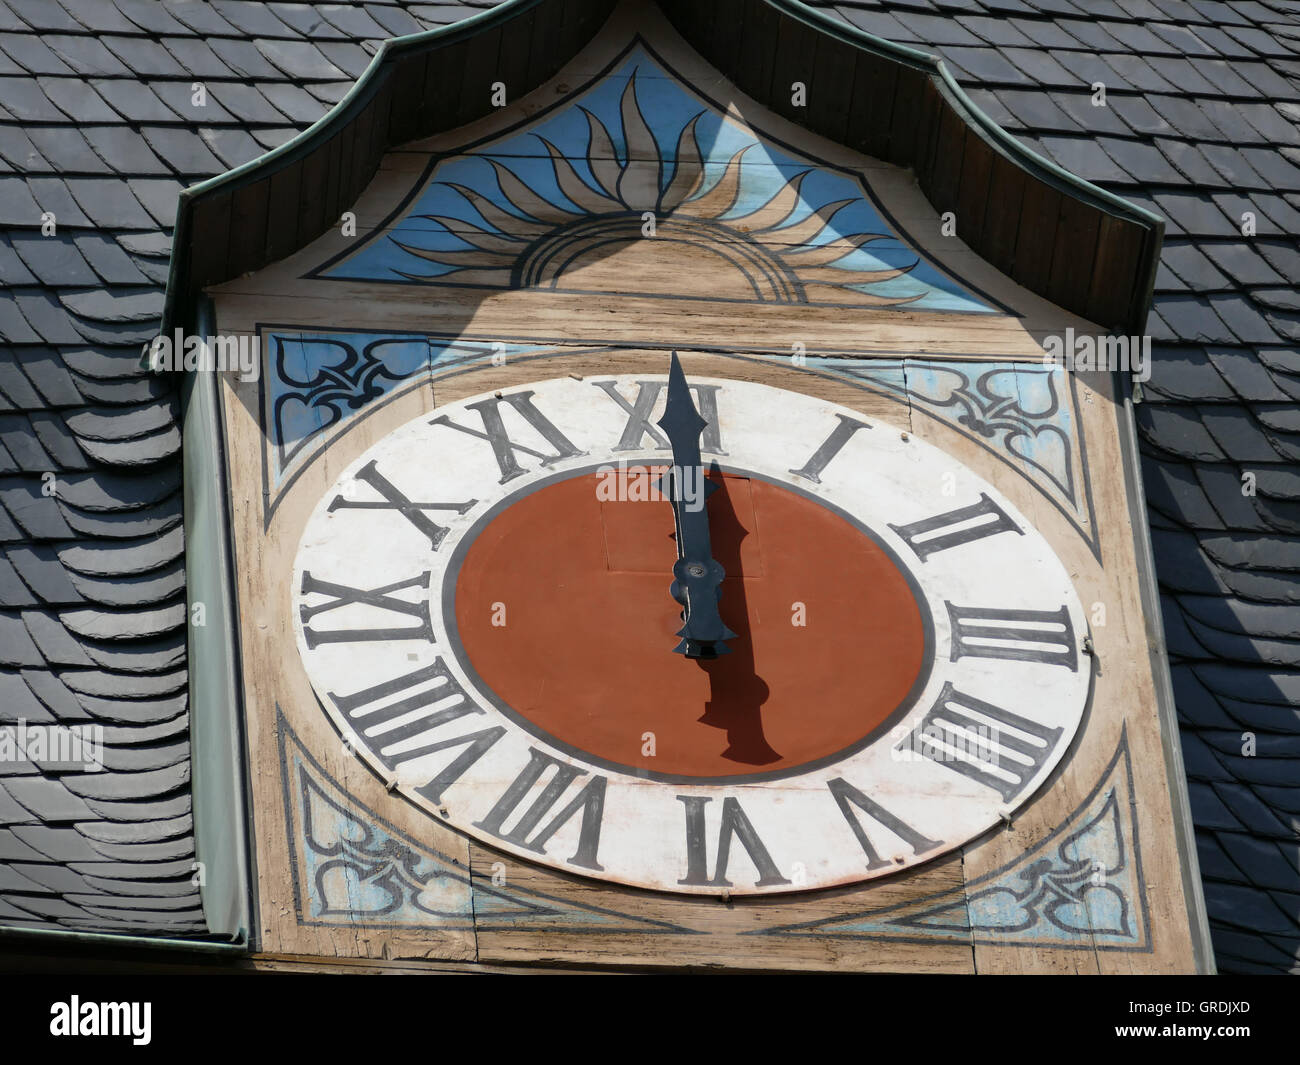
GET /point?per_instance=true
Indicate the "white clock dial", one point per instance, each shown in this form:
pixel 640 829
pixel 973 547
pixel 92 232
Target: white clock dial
pixel 482 605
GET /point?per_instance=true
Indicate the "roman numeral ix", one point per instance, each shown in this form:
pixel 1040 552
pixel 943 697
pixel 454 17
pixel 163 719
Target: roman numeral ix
pixel 342 595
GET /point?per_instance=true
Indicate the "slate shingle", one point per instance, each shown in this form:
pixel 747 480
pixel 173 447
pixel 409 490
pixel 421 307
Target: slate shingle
pixel 75 98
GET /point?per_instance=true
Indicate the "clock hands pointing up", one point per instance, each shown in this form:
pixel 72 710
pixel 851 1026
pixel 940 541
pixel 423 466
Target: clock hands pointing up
pixel 697 577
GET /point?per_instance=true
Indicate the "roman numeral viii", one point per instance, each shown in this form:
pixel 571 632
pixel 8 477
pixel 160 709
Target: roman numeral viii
pixel 504 449
pixel 410 707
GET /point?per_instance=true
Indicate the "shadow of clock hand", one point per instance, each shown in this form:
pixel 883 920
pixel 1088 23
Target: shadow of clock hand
pixel 736 692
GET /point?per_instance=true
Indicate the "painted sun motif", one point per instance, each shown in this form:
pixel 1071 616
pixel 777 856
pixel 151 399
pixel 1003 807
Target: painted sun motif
pixel 637 185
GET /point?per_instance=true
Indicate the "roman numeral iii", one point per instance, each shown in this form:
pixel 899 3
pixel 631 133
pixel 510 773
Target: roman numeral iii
pixel 1044 636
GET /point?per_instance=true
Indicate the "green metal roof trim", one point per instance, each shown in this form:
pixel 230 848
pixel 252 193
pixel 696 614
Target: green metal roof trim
pixel 532 26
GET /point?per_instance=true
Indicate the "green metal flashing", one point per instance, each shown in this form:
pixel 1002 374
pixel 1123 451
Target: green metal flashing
pixel 117 940
pixel 216 748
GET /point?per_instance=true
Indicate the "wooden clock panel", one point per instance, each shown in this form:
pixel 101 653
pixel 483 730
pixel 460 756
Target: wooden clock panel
pixel 1085 877
pixel 309 777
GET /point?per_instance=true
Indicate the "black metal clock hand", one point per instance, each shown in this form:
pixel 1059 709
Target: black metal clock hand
pixel 697 577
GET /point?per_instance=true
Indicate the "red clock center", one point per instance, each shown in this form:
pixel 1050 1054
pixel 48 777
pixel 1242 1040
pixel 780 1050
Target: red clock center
pixel 562 610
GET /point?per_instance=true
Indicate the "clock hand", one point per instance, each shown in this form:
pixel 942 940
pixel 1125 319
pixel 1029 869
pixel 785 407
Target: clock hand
pixel 697 577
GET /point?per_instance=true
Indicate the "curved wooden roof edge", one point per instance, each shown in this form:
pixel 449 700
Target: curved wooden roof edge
pixel 1062 237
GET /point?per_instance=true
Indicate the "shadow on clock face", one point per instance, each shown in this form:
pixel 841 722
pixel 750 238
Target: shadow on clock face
pixel 736 692
pixel 832 637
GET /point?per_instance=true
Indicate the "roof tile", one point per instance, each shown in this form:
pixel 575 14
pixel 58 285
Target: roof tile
pixel 88 56
pixel 198 16
pixel 254 20
pixel 77 99
pixel 196 58
pixel 43 15
pixel 31 54
pixel 53 196
pixel 352 59
pixel 353 21
pixel 24 99
pixel 1141 160
pixel 109 202
pixel 144 57
pixel 245 60
pixel 54 260
pixel 18 149
pixel 134 101
pixel 17 206
pixel 66 150
pixel 150 16
pixel 123 150
pixel 1189 162
pixel 1136 72
pixel 306 20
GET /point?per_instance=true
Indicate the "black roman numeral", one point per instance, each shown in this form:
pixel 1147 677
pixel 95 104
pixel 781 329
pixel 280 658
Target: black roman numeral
pixel 590 800
pixel 381 598
pixel 504 448
pixel 830 447
pixel 639 410
pixel 435 692
pixel 411 511
pixel 847 796
pixel 734 823
pixel 1044 636
pixel 964 525
pixel 990 745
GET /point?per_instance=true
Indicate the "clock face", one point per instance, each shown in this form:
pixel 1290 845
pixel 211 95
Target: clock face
pixel 482 603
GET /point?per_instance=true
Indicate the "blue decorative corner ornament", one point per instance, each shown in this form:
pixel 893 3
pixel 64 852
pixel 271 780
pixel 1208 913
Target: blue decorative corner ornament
pixel 1081 887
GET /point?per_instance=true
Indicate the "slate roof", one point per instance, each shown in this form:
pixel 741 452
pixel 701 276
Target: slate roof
pixel 98 127
pixel 97 124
